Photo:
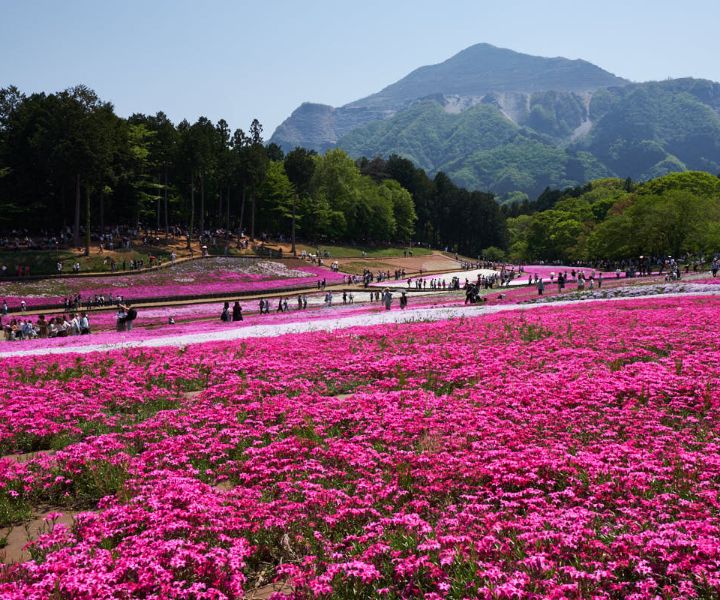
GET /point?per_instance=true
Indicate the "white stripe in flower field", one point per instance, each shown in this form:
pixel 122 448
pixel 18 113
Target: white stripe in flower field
pixel 363 320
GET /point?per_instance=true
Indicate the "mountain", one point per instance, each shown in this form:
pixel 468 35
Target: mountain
pixel 496 120
pixel 470 74
pixel 482 68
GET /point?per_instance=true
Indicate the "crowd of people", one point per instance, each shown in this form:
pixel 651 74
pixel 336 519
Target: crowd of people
pixel 368 276
pixel 282 304
pixel 57 326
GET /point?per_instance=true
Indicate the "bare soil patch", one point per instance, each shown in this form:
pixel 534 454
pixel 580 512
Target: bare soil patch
pixel 17 537
pixel 264 592
pixel 28 456
pixel 412 264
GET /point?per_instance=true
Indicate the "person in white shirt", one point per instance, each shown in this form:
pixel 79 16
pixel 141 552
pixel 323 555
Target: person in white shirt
pixel 84 324
pixel 74 325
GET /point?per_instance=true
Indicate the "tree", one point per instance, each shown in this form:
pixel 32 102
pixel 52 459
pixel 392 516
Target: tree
pixel 403 210
pixel 299 167
pixel 162 152
pixel 278 194
pixel 91 143
pixel 186 161
pixel 255 164
pixel 203 133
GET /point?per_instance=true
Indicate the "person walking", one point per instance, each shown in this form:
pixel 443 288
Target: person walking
pixel 225 314
pixel 540 286
pixel 237 311
pixel 387 298
pixel 121 318
pixel 131 316
pixel 84 324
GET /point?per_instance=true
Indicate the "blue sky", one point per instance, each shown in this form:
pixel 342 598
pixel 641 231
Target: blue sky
pixel 239 60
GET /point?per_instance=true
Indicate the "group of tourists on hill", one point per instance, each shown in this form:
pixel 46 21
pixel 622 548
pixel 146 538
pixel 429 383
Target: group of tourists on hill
pixel 481 264
pixel 93 301
pixel 368 276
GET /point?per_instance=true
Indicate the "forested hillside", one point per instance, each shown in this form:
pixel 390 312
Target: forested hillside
pixel 613 219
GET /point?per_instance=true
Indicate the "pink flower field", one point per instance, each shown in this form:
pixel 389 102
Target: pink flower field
pixel 564 452
pixel 210 276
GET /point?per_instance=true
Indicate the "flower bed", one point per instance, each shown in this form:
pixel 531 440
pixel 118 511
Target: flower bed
pixel 204 318
pixel 198 278
pixel 567 452
pixel 521 278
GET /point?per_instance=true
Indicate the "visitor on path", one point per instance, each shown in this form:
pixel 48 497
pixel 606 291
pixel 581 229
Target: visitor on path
pixel 540 286
pixel 387 298
pixel 74 324
pixel 42 326
pixel 84 324
pixel 403 299
pixel 121 318
pixel 237 312
pixel 225 314
pixel 130 318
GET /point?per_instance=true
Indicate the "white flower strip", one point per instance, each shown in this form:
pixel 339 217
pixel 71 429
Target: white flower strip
pixel 393 316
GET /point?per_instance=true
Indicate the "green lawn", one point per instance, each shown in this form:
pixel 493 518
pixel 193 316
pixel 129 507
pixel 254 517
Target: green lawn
pixel 357 251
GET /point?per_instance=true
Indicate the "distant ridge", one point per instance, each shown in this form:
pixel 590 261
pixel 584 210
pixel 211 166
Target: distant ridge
pixel 483 68
pixel 510 123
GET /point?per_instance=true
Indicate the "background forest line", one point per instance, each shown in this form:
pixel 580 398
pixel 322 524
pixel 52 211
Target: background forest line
pixel 68 161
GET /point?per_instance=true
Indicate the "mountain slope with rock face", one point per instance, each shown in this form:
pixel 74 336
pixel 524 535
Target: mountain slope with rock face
pixel 470 74
pixel 506 122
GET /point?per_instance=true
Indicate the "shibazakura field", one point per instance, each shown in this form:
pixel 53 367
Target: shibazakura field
pixel 559 452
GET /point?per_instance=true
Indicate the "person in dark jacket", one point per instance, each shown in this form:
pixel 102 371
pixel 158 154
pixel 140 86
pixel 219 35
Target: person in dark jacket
pixel 237 312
